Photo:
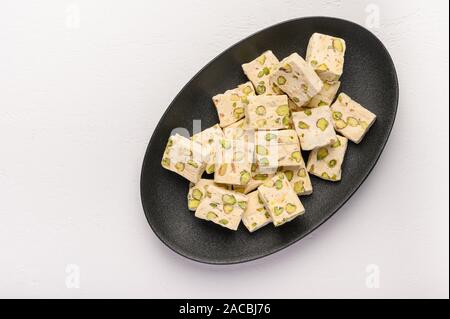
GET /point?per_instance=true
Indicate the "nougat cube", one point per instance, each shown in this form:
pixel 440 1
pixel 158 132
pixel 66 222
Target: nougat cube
pixel 314 127
pixel 258 178
pixel 234 162
pixel 208 139
pixel 258 72
pixel 351 119
pixel 267 112
pixel 256 216
pixel 277 148
pixel 299 178
pixel 326 55
pixel 280 200
pixel 230 105
pixel 185 157
pixel 326 162
pixel 198 191
pixel 222 207
pixel 297 79
pixel 326 96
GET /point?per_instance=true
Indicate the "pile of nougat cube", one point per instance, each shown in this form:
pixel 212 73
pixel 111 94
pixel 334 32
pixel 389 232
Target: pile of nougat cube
pixel 255 151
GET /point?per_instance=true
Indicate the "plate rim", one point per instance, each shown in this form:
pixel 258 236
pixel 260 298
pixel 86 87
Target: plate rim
pixel 351 193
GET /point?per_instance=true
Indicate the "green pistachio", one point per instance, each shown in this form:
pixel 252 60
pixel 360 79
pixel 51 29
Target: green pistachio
pixel 322 124
pixel 291 208
pixel 211 216
pixel 298 187
pixel 332 163
pixel 245 177
pixel 322 153
pixel 301 172
pixel 229 199
pixel 278 210
pixel 261 89
pixel 193 204
pixel 278 184
pixel 281 80
pixel 260 110
pixel 270 136
pixel 296 156
pixel 352 121
pixel 302 125
pixel 262 59
pixel 262 150
pixel 179 166
pixel 289 174
pixel 165 162
pixel 197 194
pixel 336 144
pixel 340 124
pixel 283 110
pixel 243 205
pixel 192 163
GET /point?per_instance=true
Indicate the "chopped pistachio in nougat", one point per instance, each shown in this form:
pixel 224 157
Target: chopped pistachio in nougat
pixel 234 162
pixel 314 127
pixel 258 71
pixel 299 178
pixel 256 215
pixel 277 148
pixel 223 207
pixel 297 79
pixel 351 119
pixel 326 95
pixel 326 55
pixel 231 104
pixel 198 191
pixel 258 178
pixel 207 139
pixel 326 162
pixel 185 157
pixel 267 112
pixel 280 200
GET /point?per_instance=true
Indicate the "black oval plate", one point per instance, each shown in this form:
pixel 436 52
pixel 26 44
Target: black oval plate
pixel 369 77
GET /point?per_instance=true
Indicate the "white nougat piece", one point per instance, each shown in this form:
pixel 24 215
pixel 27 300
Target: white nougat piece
pixel 314 127
pixel 267 112
pixel 297 79
pixel 208 139
pixel 256 215
pixel 230 105
pixel 299 178
pixel 326 55
pixel 326 95
pixel 222 207
pixel 198 191
pixel 234 162
pixel 185 157
pixel 326 162
pixel 280 200
pixel 277 148
pixel 351 119
pixel 258 72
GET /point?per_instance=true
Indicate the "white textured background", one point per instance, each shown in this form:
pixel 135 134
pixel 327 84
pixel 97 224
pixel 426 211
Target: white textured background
pixel 84 83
